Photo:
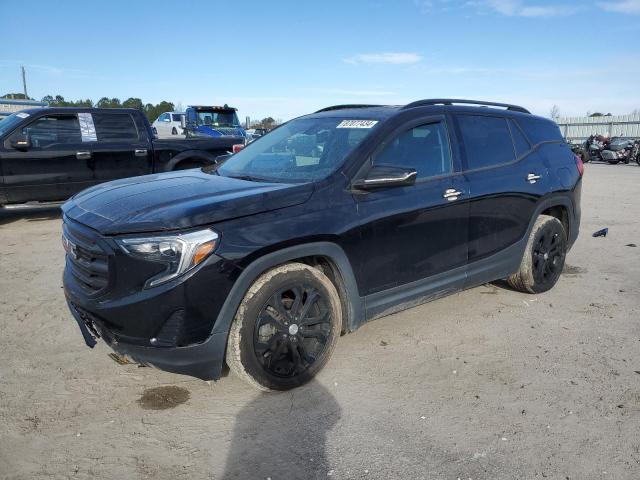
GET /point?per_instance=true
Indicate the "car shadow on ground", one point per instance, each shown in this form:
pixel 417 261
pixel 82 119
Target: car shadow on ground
pixel 283 435
pixel 35 214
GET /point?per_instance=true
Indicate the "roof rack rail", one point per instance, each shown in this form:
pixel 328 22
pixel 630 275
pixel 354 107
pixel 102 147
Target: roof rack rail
pixel 342 107
pixel 451 101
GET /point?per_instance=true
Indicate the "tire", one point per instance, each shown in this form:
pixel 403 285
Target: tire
pixel 264 329
pixel 543 258
pixel 154 130
pixel 174 131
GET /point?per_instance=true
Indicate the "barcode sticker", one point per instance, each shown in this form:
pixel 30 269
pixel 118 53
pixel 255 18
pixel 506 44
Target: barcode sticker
pixel 357 123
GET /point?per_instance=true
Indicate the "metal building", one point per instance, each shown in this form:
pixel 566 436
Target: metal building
pixel 580 128
pixel 7 106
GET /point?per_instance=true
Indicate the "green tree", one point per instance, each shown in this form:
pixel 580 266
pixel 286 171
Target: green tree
pixel 132 102
pixel 106 102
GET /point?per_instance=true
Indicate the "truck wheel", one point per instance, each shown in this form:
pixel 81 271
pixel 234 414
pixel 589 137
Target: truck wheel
pixel 174 131
pixel 543 258
pixel 285 329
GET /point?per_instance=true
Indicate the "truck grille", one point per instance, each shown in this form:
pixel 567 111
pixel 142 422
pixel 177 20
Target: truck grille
pixel 86 260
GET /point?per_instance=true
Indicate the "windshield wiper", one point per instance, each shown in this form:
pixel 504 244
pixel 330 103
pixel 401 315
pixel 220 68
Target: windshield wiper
pixel 250 178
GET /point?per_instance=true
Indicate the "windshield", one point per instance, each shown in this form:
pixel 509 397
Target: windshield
pixel 302 150
pixel 8 123
pixel 212 118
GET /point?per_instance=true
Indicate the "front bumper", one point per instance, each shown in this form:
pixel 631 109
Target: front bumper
pixel 204 360
pixel 171 326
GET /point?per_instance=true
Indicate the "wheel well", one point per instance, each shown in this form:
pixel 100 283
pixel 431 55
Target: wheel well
pixel 559 212
pixel 330 269
pixel 189 162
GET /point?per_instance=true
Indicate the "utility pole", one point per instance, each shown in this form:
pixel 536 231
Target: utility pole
pixel 24 82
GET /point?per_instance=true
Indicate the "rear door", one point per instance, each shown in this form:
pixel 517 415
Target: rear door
pixel 414 232
pixel 121 150
pixel 506 179
pixel 56 166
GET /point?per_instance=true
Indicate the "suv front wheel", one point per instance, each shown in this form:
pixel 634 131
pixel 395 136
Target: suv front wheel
pixel 286 328
pixel 543 258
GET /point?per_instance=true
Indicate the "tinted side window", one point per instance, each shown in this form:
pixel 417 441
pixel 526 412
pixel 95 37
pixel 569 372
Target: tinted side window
pixel 519 140
pixel 112 127
pixel 176 118
pixel 425 148
pixel 487 140
pixel 540 130
pixel 53 130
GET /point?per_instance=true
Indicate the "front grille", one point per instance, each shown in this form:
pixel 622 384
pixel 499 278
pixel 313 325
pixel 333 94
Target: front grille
pixel 86 260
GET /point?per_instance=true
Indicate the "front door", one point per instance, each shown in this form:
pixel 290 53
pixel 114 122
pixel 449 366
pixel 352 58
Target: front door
pixel 56 165
pixel 414 232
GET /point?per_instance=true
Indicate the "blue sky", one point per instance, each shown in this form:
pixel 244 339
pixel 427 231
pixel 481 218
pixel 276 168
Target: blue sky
pixel 287 58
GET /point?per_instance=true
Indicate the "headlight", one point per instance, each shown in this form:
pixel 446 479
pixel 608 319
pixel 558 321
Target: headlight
pixel 180 253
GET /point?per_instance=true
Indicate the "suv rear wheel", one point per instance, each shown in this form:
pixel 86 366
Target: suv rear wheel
pixel 286 328
pixel 543 258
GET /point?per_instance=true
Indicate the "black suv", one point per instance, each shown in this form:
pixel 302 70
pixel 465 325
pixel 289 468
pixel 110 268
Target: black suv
pixel 330 220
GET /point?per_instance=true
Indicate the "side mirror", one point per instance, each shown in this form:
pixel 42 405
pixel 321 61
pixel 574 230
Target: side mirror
pixel 20 142
pixel 183 121
pixel 384 176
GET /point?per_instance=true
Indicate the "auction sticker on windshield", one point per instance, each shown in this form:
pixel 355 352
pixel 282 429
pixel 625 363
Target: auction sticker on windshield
pixel 357 123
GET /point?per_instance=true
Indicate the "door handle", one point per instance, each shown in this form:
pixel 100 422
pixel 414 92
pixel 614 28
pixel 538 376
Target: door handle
pixel 533 178
pixel 451 194
pixel 84 155
pixel 140 152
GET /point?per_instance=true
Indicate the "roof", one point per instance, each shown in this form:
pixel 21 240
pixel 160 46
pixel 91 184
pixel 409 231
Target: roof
pixel 382 112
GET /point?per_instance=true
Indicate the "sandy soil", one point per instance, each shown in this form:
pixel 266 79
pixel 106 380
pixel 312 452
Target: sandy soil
pixel 485 384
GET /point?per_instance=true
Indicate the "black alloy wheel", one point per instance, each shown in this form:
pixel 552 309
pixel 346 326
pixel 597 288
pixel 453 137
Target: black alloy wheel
pixel 548 256
pixel 292 330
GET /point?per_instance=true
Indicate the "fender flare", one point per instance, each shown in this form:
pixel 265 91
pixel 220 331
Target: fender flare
pixel 200 155
pixel 355 303
pixel 557 200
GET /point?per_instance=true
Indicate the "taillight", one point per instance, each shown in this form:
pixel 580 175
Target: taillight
pixel 579 164
pixel 237 147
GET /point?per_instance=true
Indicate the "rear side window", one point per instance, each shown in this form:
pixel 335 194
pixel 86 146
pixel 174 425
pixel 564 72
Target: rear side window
pixel 519 140
pixel 487 141
pixel 112 127
pixel 176 118
pixel 540 130
pixel 425 148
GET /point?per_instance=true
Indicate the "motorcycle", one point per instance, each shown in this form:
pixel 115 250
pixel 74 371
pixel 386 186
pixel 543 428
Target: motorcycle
pixel 593 148
pixel 618 150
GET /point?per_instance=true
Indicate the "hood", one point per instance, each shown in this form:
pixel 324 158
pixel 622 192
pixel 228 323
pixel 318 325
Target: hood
pixel 221 131
pixel 177 200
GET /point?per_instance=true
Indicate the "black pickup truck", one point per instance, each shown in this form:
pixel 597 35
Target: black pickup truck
pixel 49 154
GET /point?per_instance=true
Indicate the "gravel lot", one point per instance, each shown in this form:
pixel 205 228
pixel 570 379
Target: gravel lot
pixel 484 384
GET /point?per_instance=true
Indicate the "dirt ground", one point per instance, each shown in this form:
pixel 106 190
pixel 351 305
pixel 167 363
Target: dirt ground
pixel 484 384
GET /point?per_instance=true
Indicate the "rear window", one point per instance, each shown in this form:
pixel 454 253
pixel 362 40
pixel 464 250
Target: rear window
pixel 111 127
pixel 519 140
pixel 540 130
pixel 487 141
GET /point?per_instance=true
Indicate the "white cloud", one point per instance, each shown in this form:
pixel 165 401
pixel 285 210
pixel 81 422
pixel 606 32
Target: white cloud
pixel 517 8
pixel 624 6
pixel 350 93
pixel 394 58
